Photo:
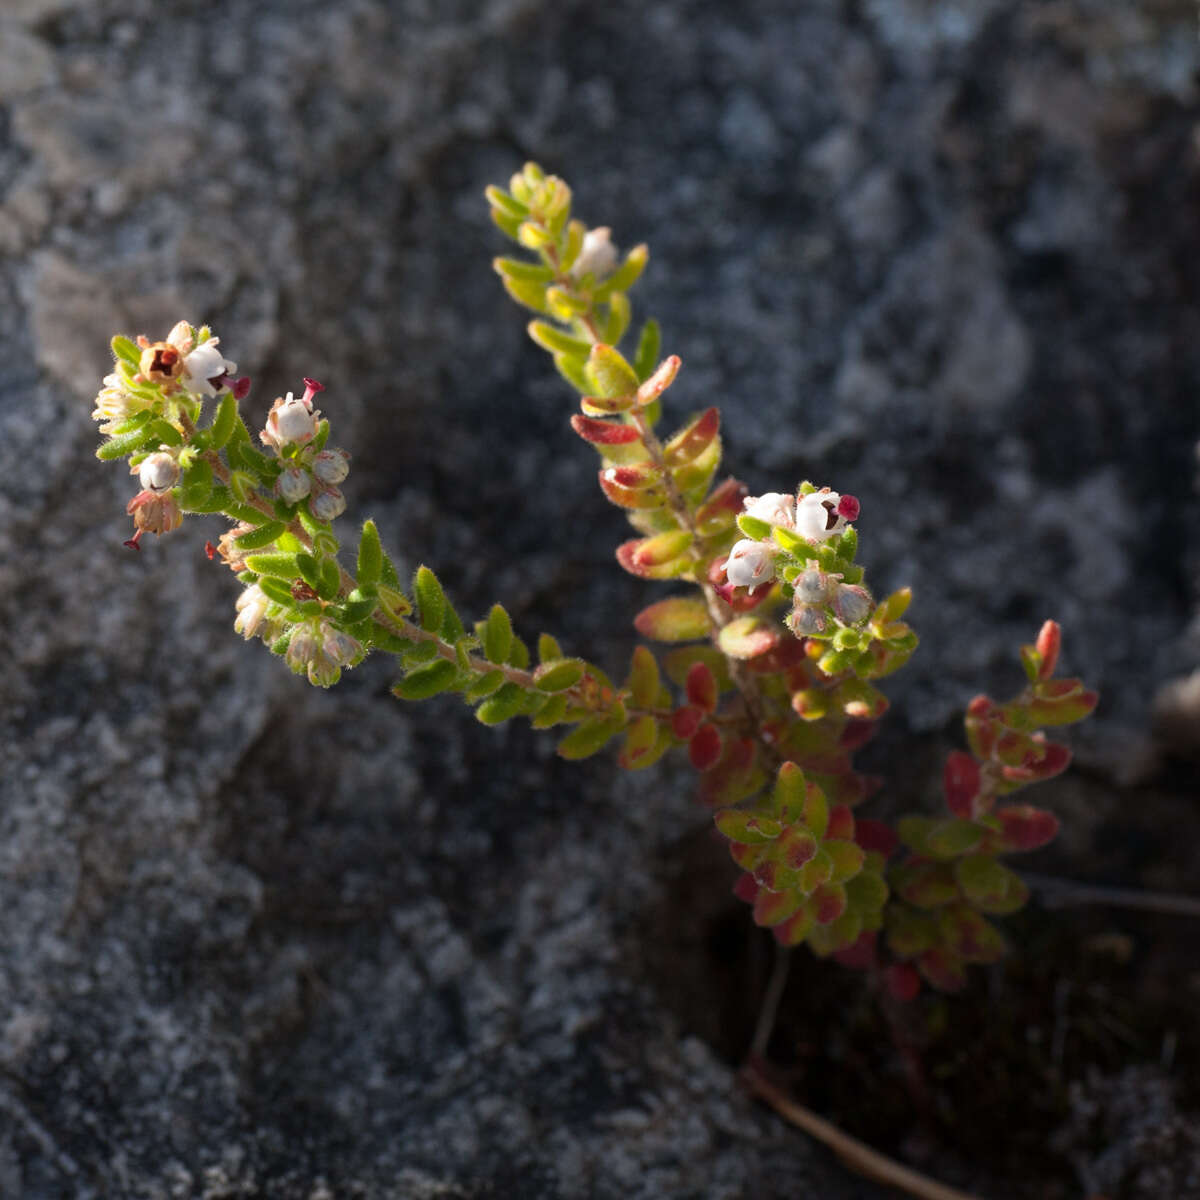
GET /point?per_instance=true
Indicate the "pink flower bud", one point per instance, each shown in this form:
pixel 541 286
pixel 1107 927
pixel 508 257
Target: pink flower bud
pixel 154 512
pixel 852 604
pixel 775 508
pixel 812 587
pixel 808 620
pixel 293 484
pixel 750 563
pixel 158 472
pixel 327 504
pixel 331 466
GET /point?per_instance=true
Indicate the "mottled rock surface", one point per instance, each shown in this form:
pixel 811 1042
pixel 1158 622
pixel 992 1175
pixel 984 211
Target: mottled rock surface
pixel 263 941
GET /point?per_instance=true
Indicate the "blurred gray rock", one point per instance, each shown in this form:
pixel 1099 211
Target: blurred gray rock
pixel 262 941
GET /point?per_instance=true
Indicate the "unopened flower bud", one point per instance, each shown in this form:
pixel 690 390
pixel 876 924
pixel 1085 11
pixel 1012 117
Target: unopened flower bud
pixel 158 472
pixel 775 508
pixel 852 604
pixel 331 466
pixel 812 587
pixel 807 620
pixel 750 563
pixel 293 484
pixel 320 650
pixel 115 403
pixel 232 555
pixel 327 504
pixel 597 255
pixel 819 515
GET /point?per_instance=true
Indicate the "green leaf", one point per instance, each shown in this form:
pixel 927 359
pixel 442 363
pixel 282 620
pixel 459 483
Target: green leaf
pixel 626 275
pixel 508 205
pixel 747 828
pixel 519 268
pixel 571 368
pixel 309 568
pixel 753 527
pixel 551 713
pixel 619 315
pixel 126 350
pixel 548 648
pixel 485 685
pixel 557 676
pixel 119 447
pixel 331 580
pixel 224 421
pixel 507 703
pixel 277 590
pixel 497 635
pixel 427 681
pixel 588 737
pixel 610 373
pixel 282 566
pixel 649 344
pixel 264 535
pixel 952 837
pixel 431 600
pixel 370 556
pixel 788 795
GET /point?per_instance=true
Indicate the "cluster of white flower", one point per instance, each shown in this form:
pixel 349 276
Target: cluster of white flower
pixel 815 516
pixel 291 427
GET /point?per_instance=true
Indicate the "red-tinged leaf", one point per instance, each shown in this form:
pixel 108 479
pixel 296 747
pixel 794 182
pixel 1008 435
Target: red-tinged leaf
pixel 747 637
pixel 857 734
pixel 600 406
pixel 662 547
pixel 794 930
pixel 983 727
pixel 847 859
pixel 810 704
pixel 970 936
pixel 701 687
pixel 685 721
pixel 925 884
pixel 1065 711
pixel 705 747
pixel 677 619
pixel 828 903
pixel 636 564
pixel 644 681
pixel 1026 827
pixel 815 809
pixel 862 954
pixel 641 742
pixel 942 971
pixel 841 823
pixel 691 441
pixel 1013 747
pixel 747 828
pixel 960 782
pixel 719 511
pixel 746 888
pixel 677 663
pixel 816 872
pixel 625 495
pixel 604 433
pixel 860 701
pixel 787 797
pixel 1049 642
pixel 1056 689
pixel 875 836
pixel 663 377
pixel 902 982
pixel 796 847
pixel 770 908
pixel 747 857
pixel 1041 761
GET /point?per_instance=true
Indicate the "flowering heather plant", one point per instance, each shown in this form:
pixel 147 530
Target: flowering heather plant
pixel 774 648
